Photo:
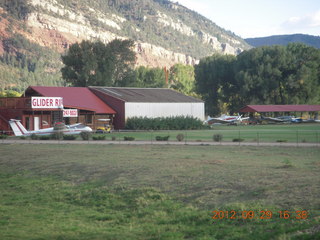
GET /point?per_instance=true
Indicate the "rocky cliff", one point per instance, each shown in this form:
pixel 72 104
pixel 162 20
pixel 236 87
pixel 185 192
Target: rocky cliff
pixel 34 34
pixel 57 24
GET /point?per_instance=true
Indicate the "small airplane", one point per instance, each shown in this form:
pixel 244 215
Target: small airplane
pixel 283 119
pixel 20 130
pixel 226 119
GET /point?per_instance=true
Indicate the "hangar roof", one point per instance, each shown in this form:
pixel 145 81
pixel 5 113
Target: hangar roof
pixel 73 97
pixel 146 95
pixel 280 108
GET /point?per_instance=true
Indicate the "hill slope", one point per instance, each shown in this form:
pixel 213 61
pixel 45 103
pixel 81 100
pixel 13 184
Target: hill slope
pixel 313 41
pixel 165 33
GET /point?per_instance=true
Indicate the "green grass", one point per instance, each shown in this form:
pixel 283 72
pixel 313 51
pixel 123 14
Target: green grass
pixel 292 133
pixel 156 192
pixel 262 133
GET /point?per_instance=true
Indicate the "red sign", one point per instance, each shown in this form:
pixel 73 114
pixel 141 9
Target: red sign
pixel 70 112
pixel 47 102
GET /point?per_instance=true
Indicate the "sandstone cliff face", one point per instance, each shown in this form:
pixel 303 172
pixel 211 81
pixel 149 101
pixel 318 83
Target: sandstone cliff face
pixel 55 26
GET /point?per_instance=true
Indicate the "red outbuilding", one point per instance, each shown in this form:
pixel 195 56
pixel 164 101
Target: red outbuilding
pixel 40 107
pixel 286 109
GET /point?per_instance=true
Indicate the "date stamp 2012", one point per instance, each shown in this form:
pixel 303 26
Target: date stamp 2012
pixel 263 214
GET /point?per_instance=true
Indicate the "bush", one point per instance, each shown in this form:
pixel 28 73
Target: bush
pixel 85 135
pixel 99 137
pixel 23 137
pixel 164 138
pixel 282 140
pixel 34 137
pixel 3 136
pixel 237 140
pixel 217 137
pixel 46 137
pixel 128 138
pixel 69 137
pixel 113 138
pixel 57 136
pixel 168 123
pixel 180 137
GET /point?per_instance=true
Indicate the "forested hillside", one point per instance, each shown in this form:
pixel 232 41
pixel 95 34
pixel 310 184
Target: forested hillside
pixel 34 34
pixel 313 41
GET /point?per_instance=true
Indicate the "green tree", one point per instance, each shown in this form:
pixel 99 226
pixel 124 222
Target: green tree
pixel 215 81
pixel 150 77
pixel 265 75
pixel 182 78
pixel 97 64
pixel 279 75
pixel 19 9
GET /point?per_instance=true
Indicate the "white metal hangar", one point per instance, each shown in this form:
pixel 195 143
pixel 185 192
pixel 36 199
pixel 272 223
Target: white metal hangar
pixel 148 102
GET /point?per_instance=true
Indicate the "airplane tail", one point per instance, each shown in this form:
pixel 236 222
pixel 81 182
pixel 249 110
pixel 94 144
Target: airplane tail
pixel 18 128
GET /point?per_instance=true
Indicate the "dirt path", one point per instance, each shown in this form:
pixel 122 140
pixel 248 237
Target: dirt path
pixel 264 144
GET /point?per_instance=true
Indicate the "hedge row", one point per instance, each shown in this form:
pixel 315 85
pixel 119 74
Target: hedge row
pixel 168 123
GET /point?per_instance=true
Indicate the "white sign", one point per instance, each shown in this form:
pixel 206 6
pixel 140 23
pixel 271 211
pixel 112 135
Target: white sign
pixel 70 112
pixel 47 102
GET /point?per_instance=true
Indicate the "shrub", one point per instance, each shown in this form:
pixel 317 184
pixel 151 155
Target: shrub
pixel 69 137
pixel 287 163
pixel 113 138
pixel 34 137
pixel 282 140
pixel 128 138
pixel 99 137
pixel 237 140
pixel 46 137
pixel 57 135
pixel 3 136
pixel 168 123
pixel 180 137
pixel 23 137
pixel 164 138
pixel 217 137
pixel 85 135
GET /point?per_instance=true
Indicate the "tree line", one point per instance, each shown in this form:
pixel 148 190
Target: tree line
pixel 113 64
pixel 265 75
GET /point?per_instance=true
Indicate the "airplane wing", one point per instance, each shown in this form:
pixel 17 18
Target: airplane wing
pixel 272 119
pixel 74 125
pixel 217 120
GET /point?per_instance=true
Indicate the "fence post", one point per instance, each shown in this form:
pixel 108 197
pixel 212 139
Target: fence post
pixel 151 136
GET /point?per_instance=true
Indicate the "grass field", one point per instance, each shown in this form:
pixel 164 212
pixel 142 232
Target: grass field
pixel 157 192
pixel 272 133
pixel 253 133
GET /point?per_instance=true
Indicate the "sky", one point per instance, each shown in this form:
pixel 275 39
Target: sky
pixel 260 18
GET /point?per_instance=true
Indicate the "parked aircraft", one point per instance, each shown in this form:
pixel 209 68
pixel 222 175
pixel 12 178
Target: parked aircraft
pixel 19 129
pixel 226 119
pixel 283 119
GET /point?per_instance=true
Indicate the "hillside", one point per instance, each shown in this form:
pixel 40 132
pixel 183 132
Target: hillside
pixel 313 41
pixel 165 33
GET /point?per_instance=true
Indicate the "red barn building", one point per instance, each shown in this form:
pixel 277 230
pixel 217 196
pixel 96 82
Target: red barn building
pixel 80 105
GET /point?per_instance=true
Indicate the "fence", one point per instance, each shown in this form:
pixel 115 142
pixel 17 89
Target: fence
pixel 212 137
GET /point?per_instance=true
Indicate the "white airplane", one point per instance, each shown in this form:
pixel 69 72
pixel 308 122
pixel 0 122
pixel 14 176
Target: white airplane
pixel 226 119
pixel 19 129
pixel 283 119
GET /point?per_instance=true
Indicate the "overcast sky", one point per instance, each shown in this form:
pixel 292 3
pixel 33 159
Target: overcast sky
pixel 260 18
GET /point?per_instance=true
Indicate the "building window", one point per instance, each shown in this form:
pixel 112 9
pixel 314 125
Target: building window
pixel 27 123
pixel 89 119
